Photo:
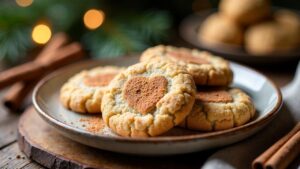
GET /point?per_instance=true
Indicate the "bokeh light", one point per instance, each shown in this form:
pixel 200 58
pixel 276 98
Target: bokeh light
pixel 41 34
pixel 93 18
pixel 24 3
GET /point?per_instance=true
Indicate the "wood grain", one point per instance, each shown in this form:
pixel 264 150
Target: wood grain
pixel 32 166
pixel 12 157
pixel 44 145
pixel 8 126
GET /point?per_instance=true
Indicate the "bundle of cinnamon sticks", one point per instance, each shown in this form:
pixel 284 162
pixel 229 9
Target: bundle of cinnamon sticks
pixel 282 153
pixel 21 79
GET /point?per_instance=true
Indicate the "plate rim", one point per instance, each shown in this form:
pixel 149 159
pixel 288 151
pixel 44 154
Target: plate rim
pixel 162 139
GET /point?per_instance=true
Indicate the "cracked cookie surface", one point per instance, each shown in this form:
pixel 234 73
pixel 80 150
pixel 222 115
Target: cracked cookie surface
pixel 219 110
pixel 148 99
pixel 205 68
pixel 83 92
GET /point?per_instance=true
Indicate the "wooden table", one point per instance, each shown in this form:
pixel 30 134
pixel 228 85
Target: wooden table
pixel 12 157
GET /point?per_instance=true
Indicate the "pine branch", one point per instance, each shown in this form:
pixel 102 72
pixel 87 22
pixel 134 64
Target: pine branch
pixel 123 31
pixel 14 44
pixel 120 36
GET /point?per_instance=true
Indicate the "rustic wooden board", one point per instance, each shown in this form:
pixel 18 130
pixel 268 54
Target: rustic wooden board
pixel 43 144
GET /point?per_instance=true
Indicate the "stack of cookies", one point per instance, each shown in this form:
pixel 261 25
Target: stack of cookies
pixel 253 25
pixel 170 87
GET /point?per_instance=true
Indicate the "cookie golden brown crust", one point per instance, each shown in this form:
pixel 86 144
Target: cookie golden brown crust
pixel 245 12
pixel 148 99
pixel 205 68
pixel 220 110
pixel 219 30
pixel 83 92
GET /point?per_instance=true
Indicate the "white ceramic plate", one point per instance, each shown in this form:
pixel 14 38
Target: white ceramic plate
pixel 266 97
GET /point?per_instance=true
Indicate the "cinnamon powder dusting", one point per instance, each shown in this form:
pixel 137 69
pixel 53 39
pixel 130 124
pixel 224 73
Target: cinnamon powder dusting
pixel 187 57
pixel 143 93
pixel 99 80
pixel 220 96
pixel 93 124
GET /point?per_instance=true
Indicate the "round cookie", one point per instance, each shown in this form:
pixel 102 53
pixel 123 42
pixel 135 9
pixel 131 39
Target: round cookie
pixel 219 110
pixel 267 38
pixel 290 21
pixel 218 30
pixel 245 12
pixel 148 99
pixel 205 68
pixel 83 92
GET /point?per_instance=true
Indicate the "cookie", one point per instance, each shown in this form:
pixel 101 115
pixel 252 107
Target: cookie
pixel 290 21
pixel 269 37
pixel 218 30
pixel 245 12
pixel 148 99
pixel 205 68
pixel 219 110
pixel 83 92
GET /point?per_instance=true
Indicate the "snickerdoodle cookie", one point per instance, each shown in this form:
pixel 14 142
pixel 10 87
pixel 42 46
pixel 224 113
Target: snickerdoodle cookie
pixel 83 92
pixel 219 30
pixel 205 68
pixel 245 11
pixel 219 110
pixel 148 99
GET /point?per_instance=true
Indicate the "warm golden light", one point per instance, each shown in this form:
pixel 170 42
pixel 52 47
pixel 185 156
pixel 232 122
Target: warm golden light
pixel 93 18
pixel 41 34
pixel 24 3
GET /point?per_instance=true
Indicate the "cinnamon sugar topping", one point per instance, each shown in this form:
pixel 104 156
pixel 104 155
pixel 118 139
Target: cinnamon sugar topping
pixel 99 80
pixel 93 124
pixel 143 93
pixel 187 57
pixel 219 96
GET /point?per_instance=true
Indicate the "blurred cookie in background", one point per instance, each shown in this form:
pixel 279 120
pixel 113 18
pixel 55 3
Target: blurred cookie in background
pixel 290 21
pixel 247 31
pixel 270 37
pixel 245 12
pixel 217 29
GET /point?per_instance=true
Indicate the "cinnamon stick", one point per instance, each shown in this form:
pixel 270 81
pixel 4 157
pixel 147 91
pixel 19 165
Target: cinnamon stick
pixel 281 153
pixel 32 70
pixel 13 99
pixel 56 42
pixel 65 55
pixel 286 154
pixel 26 71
